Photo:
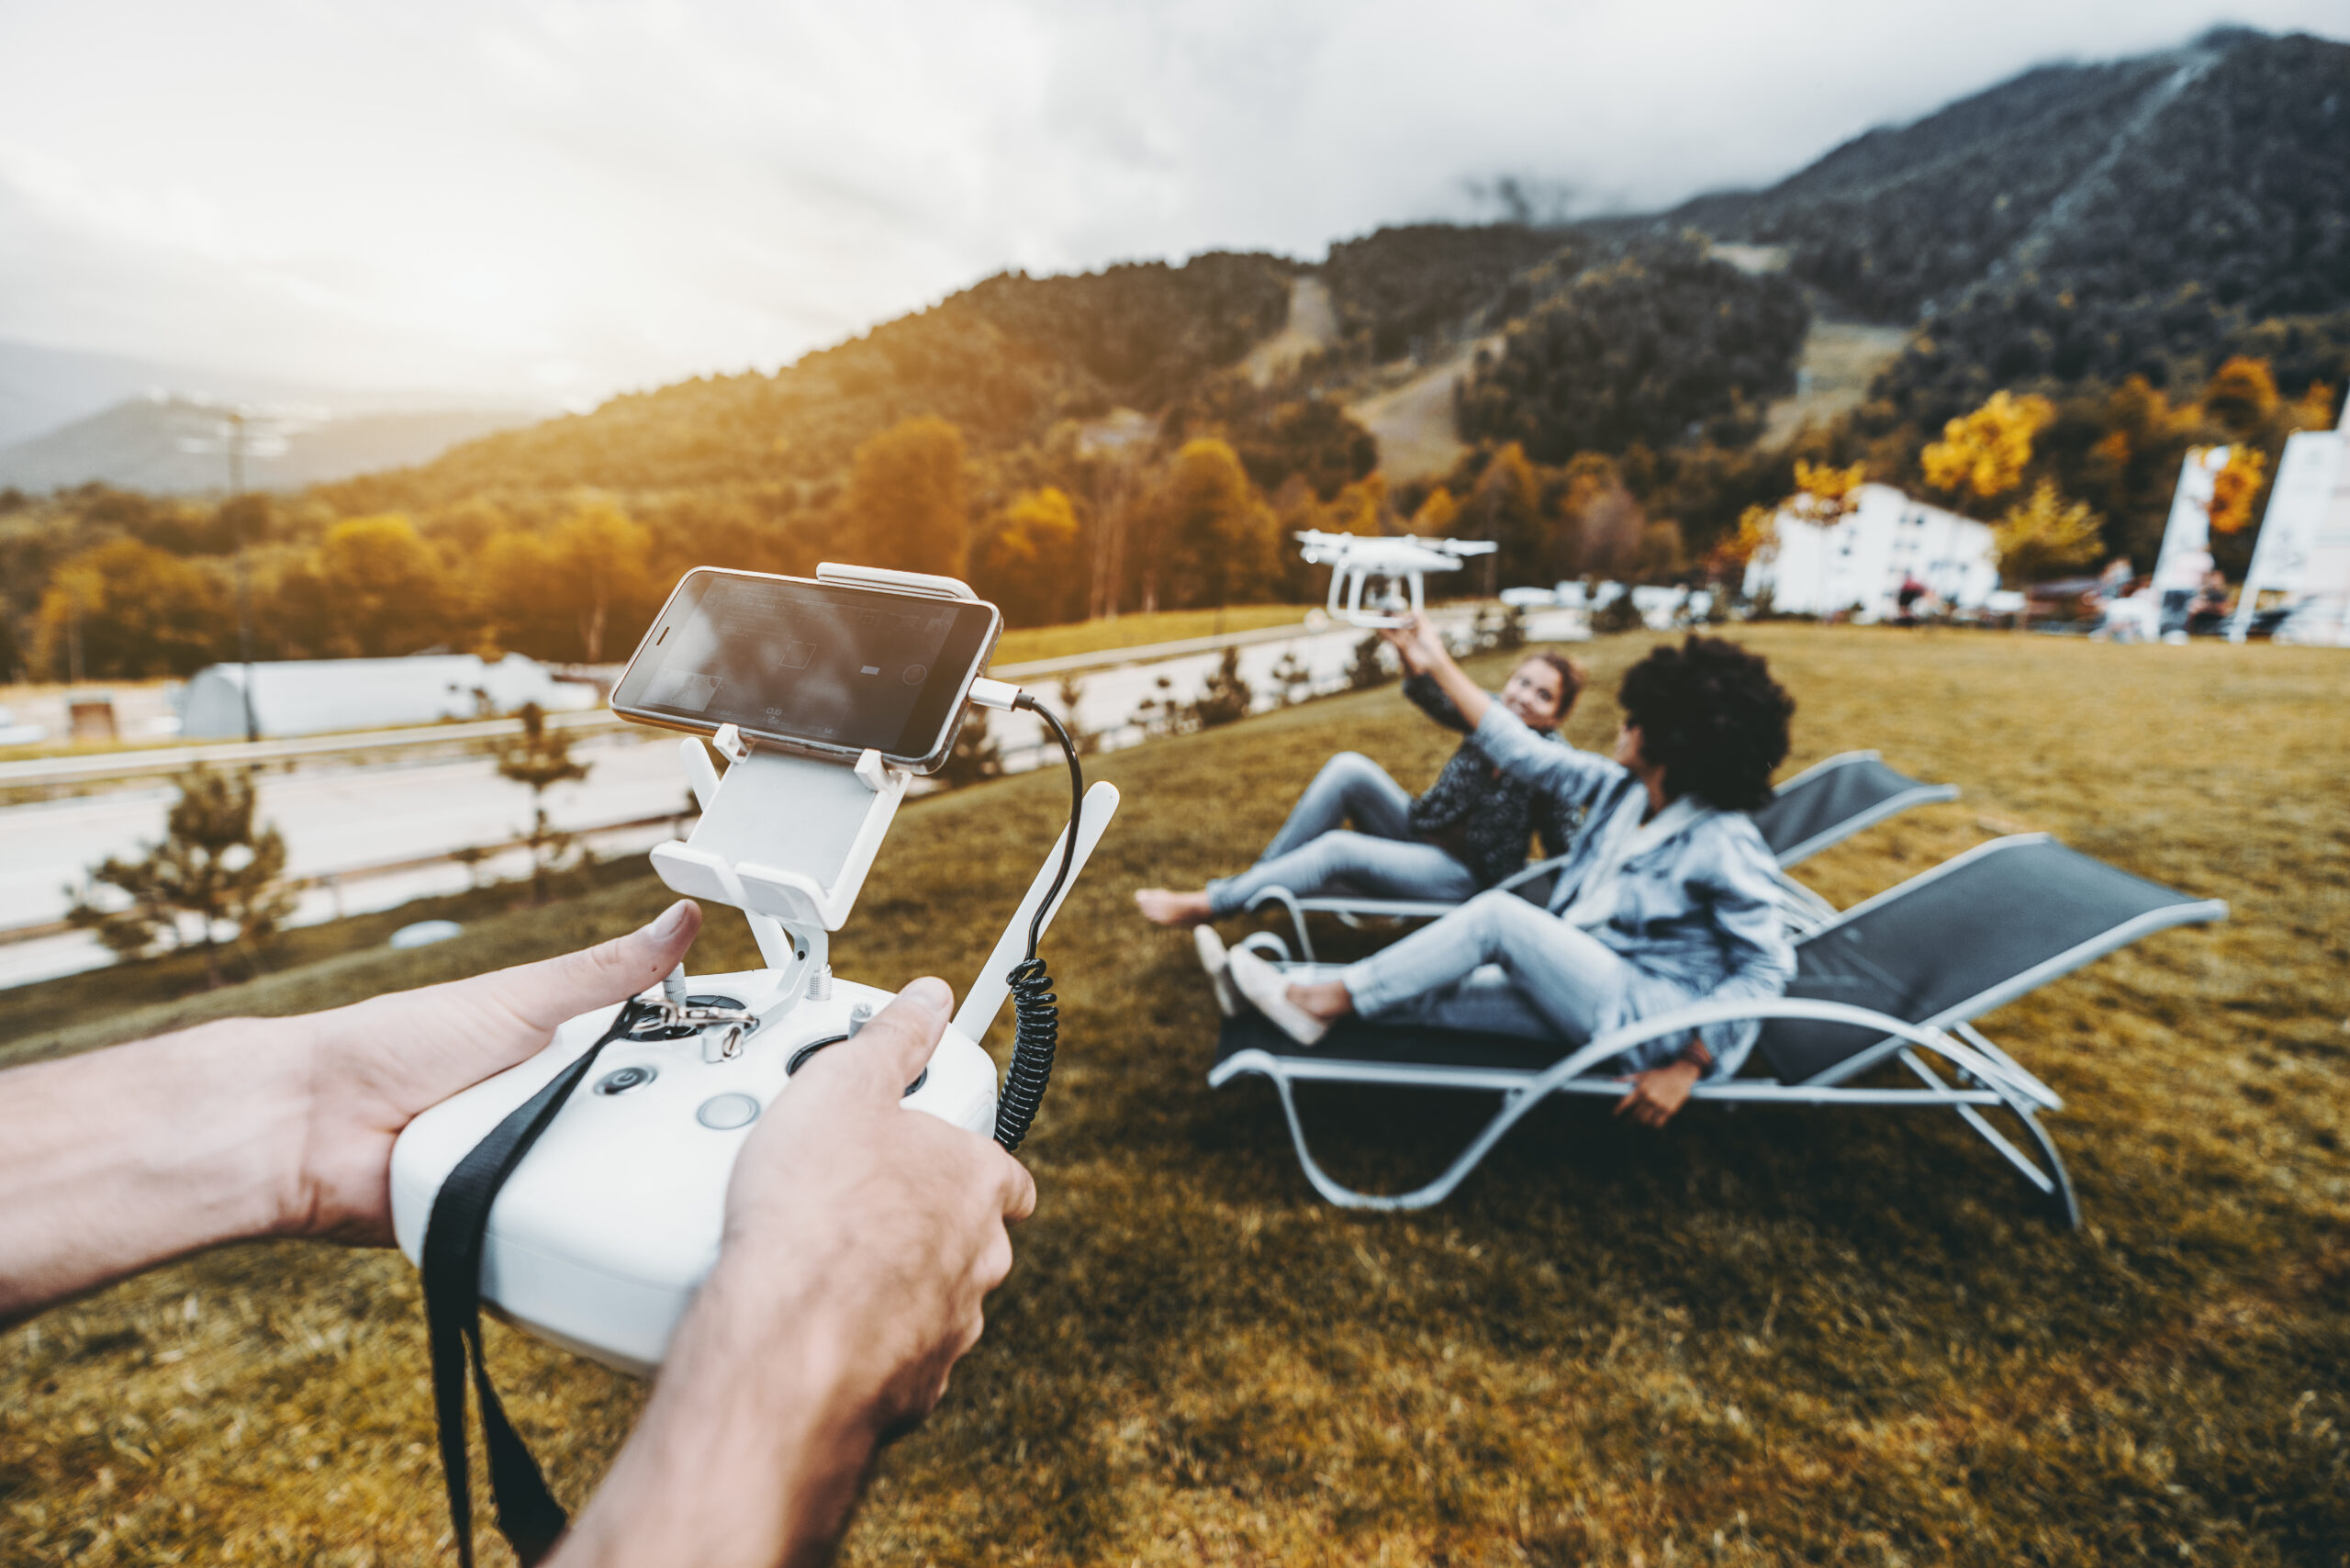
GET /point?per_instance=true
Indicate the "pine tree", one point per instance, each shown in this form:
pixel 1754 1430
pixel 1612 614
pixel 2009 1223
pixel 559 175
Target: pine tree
pixel 211 866
pixel 540 758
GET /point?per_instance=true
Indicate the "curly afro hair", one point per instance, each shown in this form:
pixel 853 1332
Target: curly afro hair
pixel 1710 715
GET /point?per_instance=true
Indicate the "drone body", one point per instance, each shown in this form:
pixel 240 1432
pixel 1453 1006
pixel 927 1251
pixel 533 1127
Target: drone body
pixel 1396 564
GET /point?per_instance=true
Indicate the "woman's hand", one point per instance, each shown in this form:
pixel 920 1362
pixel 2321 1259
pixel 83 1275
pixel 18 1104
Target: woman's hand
pixel 1657 1093
pixel 1421 647
pixel 1405 640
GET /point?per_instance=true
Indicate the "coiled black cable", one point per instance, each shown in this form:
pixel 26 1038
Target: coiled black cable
pixel 1036 1019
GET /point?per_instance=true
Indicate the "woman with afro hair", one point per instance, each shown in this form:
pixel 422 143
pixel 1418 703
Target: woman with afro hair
pixel 1668 897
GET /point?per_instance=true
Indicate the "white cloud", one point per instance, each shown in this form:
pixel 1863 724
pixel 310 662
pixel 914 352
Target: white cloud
pixel 518 193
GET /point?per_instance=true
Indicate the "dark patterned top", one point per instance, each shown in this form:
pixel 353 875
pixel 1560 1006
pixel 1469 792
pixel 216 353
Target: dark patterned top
pixel 1479 814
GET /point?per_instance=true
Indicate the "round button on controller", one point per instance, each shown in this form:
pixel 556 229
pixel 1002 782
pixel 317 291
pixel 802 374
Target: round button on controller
pixel 625 1079
pixel 914 674
pixel 724 1112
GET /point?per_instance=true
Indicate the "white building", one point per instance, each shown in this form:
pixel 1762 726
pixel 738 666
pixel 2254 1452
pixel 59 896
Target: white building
pixel 310 696
pixel 1887 540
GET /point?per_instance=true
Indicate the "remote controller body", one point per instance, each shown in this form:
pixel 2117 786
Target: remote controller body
pixel 600 1238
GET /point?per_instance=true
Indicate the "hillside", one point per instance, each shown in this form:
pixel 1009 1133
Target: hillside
pixel 2089 222
pixel 2077 224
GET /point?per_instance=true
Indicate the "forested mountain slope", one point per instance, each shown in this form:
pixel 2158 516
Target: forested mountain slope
pixel 2089 222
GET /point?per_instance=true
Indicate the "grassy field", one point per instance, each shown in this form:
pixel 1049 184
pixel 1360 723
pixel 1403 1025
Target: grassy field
pixel 1019 647
pixel 1782 1337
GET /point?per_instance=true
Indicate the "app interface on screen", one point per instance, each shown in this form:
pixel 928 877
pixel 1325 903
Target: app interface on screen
pixel 811 663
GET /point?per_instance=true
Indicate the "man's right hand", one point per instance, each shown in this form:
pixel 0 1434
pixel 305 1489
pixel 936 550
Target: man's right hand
pixel 898 1219
pixel 860 1241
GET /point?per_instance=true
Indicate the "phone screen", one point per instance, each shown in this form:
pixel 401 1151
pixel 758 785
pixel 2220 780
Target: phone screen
pixel 849 668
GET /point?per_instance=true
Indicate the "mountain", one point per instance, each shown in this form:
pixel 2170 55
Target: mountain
pixel 2087 222
pixel 44 389
pixel 177 445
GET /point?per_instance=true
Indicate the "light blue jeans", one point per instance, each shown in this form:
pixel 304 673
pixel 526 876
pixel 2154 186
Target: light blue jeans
pixel 1311 854
pixel 1500 965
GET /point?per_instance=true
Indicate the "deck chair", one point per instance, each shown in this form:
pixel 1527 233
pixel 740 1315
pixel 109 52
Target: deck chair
pixel 1824 804
pixel 1898 980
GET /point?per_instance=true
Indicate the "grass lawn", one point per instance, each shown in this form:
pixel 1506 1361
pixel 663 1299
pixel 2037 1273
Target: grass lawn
pixel 1766 1337
pixel 1139 631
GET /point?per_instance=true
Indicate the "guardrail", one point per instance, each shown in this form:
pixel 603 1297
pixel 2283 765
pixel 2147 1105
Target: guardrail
pixel 101 766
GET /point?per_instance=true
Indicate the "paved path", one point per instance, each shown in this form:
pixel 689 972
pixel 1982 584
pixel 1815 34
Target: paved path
pixel 334 820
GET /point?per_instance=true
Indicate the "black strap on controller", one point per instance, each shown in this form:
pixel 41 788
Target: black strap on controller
pixel 528 1514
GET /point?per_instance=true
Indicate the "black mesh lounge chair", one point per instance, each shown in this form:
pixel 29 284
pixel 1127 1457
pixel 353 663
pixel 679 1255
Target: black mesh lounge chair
pixel 1898 980
pixel 1824 804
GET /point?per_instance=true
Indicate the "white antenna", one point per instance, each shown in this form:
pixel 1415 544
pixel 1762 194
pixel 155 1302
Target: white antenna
pixel 985 999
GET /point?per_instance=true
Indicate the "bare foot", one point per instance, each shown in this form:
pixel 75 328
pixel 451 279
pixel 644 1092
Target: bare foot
pixel 1162 906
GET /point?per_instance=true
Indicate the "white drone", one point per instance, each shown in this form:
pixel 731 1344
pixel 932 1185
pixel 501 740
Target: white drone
pixel 1396 563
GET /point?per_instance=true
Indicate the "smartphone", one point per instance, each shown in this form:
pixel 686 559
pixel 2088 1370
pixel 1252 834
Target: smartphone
pixel 810 666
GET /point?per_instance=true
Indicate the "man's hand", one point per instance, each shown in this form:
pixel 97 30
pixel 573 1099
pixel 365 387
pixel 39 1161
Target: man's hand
pixel 118 1160
pixel 1657 1093
pixel 376 1065
pixel 860 1240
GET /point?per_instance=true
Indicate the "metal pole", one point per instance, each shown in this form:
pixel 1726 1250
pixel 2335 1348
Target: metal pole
pixel 244 595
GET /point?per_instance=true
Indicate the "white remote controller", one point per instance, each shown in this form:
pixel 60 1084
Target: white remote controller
pixel 601 1237
pixel 603 1232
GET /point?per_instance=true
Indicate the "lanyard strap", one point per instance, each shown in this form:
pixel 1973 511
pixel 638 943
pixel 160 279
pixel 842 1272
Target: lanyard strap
pixel 528 1514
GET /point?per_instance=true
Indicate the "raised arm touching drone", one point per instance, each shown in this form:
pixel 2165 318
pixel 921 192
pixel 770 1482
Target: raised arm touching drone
pixel 1396 564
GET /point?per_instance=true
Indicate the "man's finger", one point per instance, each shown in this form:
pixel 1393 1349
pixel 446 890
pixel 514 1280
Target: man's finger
pixel 1016 1190
pixel 891 1052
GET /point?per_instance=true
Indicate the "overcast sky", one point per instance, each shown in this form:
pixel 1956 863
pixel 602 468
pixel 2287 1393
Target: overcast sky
pixel 570 199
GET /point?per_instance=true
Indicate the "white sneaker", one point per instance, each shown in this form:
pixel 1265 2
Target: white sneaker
pixel 1216 961
pixel 1268 989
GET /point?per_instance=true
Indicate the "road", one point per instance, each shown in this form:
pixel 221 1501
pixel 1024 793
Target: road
pixel 338 821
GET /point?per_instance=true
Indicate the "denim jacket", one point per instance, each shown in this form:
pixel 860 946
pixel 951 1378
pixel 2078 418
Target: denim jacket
pixel 1696 913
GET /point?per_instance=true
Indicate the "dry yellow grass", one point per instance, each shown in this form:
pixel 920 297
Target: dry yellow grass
pixel 1138 630
pixel 1759 1337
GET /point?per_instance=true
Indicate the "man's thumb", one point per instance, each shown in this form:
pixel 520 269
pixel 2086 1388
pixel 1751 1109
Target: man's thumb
pixel 546 993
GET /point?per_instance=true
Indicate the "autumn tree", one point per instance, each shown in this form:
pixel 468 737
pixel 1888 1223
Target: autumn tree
pixel 2046 536
pixel 2241 396
pixel 1755 539
pixel 384 588
pixel 1032 559
pixel 1505 506
pixel 1436 516
pixel 128 608
pixel 1217 537
pixel 513 566
pixel 2235 486
pixel 1984 452
pixel 907 500
pixel 212 868
pixel 1359 507
pixel 598 559
pixel 1596 527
